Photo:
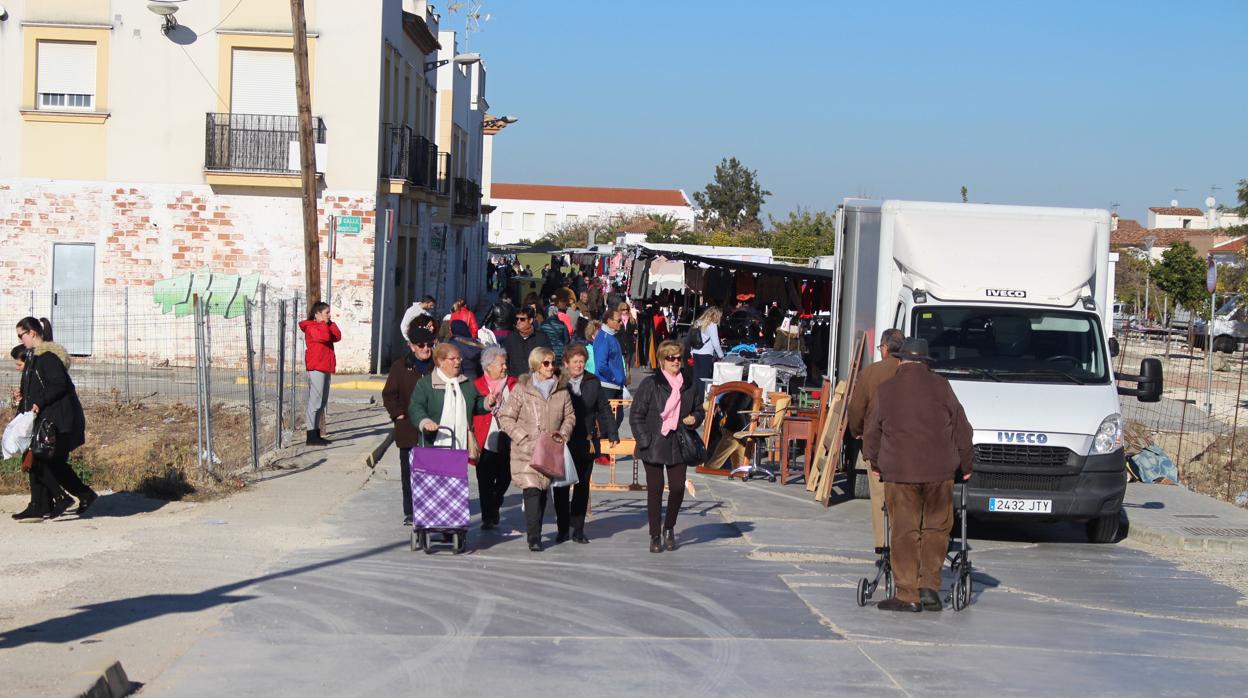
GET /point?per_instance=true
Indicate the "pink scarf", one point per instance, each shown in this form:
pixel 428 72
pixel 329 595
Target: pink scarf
pixel 671 410
pixel 496 389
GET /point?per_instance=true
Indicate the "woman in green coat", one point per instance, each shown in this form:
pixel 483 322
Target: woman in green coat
pixel 444 402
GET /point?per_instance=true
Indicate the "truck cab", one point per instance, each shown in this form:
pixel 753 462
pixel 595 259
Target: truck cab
pixel 1013 302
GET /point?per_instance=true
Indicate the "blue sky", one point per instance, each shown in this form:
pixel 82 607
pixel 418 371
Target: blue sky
pixel 1054 103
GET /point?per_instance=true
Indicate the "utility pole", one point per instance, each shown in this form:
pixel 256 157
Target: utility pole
pixel 307 156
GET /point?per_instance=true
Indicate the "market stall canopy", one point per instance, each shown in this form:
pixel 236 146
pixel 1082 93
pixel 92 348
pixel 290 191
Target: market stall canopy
pixel 756 267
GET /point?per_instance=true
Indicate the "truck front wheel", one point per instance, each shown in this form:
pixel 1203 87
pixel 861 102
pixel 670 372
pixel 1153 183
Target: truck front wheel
pixel 1103 529
pixel 1224 344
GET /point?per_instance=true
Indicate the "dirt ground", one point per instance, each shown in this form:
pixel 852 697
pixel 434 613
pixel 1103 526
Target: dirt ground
pixel 150 449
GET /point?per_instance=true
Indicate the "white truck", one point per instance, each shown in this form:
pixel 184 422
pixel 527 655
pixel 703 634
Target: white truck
pixel 1014 302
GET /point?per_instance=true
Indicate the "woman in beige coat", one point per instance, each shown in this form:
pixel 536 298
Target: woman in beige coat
pixel 537 404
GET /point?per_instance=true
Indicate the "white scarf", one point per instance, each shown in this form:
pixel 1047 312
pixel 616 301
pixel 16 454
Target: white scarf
pixel 454 414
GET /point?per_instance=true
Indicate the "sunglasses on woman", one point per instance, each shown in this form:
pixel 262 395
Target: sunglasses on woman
pixel 548 363
pixel 671 358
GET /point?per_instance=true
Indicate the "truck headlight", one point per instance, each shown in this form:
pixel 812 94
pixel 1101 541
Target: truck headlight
pixel 1109 436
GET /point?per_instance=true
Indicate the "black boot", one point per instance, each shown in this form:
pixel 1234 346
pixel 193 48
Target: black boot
pixel 578 529
pixel 656 544
pixel 533 511
pixel 314 438
pixel 324 441
pixel 669 539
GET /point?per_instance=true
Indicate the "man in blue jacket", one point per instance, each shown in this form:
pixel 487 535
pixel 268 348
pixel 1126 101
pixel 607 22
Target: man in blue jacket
pixel 609 360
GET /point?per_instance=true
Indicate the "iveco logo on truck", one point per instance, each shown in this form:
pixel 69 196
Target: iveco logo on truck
pixel 1004 293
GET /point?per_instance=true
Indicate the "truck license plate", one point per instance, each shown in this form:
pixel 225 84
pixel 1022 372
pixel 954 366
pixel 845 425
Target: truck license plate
pixel 1020 506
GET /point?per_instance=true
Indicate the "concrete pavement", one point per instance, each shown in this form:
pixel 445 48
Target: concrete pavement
pixel 758 600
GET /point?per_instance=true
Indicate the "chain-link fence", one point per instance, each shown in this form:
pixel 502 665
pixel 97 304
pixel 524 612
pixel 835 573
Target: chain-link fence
pixel 1201 419
pixel 185 358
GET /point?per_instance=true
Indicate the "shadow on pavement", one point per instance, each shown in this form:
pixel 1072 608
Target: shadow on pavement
pixel 102 617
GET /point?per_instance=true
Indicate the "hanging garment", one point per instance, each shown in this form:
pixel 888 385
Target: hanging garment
pixel 717 285
pixel 666 275
pixel 771 289
pixel 694 277
pixel 744 282
pixel 637 285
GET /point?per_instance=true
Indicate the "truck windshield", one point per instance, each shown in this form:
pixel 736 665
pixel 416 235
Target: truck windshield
pixel 1013 345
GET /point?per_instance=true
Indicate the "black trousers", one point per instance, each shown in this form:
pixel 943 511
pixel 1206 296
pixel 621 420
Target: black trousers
pixel 572 514
pixel 493 479
pixel 405 474
pixel 534 510
pixel 43 487
pixel 654 494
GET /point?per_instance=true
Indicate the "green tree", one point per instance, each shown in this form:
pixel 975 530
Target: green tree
pixel 669 229
pixel 1242 192
pixel 964 193
pixel 734 199
pixel 1181 274
pixel 804 234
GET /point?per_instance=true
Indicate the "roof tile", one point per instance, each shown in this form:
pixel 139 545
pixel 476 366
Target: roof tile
pixel 596 195
pixel 1172 211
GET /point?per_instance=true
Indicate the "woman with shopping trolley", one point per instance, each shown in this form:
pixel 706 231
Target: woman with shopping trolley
pixel 442 406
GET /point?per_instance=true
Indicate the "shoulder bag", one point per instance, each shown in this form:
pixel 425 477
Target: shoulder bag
pixel 547 457
pixel 689 446
pixel 43 443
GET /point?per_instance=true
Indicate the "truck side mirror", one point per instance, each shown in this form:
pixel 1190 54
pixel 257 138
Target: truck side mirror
pixel 1148 383
pixel 1113 347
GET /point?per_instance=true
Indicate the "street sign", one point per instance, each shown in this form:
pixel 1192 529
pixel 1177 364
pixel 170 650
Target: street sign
pixel 1211 275
pixel 349 225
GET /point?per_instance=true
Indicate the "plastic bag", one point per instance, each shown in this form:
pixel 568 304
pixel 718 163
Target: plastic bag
pixel 1153 465
pixel 569 470
pixel 18 433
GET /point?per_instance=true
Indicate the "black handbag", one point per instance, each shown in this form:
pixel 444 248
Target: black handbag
pixel 689 448
pixel 43 442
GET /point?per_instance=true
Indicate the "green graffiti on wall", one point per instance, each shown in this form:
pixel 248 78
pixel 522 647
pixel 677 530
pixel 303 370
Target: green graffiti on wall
pixel 223 294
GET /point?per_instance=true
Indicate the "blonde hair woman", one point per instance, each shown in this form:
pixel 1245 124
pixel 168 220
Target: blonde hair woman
pixel 537 404
pixel 667 401
pixel 704 345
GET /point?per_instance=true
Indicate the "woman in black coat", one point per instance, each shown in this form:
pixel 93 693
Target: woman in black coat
pixel 47 391
pixel 655 429
pixel 593 422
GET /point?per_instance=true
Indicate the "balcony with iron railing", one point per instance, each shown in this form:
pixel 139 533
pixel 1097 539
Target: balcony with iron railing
pixel 410 157
pixel 255 142
pixel 467 199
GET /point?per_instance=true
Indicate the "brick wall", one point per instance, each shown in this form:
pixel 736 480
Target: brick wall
pixel 146 232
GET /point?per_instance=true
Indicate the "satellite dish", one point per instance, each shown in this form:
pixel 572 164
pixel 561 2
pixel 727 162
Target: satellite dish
pixel 1174 203
pixel 1210 202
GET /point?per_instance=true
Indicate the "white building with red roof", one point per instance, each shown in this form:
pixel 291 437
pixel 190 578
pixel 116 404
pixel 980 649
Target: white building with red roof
pixel 526 212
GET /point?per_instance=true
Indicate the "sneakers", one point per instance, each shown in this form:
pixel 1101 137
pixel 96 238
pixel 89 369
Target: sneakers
pixel 930 598
pixel 407 521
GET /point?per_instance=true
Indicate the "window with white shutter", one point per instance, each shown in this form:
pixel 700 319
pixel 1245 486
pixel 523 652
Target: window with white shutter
pixel 263 82
pixel 65 79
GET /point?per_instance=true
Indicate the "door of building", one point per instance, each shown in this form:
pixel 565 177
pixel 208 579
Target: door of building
pixel 73 296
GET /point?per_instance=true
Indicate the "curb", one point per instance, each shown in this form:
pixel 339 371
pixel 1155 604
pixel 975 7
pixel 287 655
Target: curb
pixel 1185 543
pixel 111 683
pixel 374 456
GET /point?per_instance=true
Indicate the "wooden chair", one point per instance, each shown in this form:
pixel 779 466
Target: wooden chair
pixel 802 424
pixel 626 447
pixel 713 396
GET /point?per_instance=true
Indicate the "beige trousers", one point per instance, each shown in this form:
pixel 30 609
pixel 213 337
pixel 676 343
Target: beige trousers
pixel 877 506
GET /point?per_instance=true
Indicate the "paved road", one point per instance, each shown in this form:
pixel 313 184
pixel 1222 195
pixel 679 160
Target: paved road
pixel 759 600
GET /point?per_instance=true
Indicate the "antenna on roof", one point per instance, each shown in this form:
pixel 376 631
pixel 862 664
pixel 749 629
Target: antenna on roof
pixel 472 17
pixel 1114 205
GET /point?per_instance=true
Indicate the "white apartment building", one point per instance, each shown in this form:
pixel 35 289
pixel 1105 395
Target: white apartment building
pixel 138 151
pixel 1175 216
pixel 526 212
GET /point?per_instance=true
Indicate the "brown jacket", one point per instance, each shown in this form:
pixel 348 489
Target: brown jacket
pixel 916 430
pixel 526 413
pixel 397 395
pixel 864 392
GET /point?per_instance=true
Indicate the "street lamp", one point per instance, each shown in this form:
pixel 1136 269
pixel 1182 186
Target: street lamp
pixel 461 59
pixel 1148 262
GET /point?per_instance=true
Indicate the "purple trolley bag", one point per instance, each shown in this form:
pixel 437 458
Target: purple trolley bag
pixel 439 496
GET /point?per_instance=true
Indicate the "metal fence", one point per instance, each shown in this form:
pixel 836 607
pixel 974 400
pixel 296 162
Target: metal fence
pixel 130 345
pixel 1201 421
